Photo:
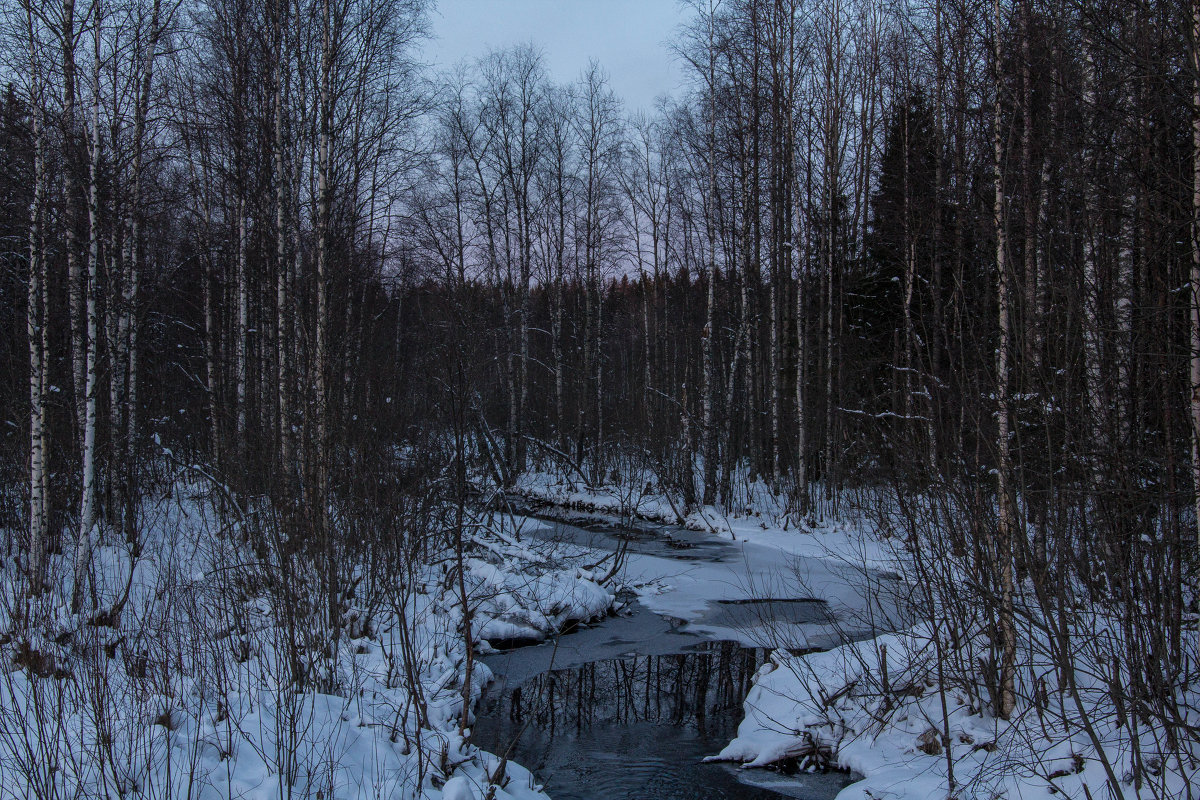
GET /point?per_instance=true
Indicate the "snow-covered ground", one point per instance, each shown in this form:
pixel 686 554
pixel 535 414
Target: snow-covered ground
pixel 761 518
pixel 875 707
pixel 188 691
pixel 885 706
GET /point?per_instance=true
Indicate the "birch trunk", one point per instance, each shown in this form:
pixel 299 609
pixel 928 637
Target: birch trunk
pixel 710 386
pixel 241 366
pixel 560 412
pixel 803 234
pixel 1006 701
pixel 321 367
pixel 282 306
pixel 87 504
pixel 1122 305
pixel 780 265
pixel 1042 296
pixel 1123 319
pixel 1092 312
pixel 526 257
pixel 801 476
pixel 75 288
pixel 933 381
pixel 200 174
pixel 831 121
pixel 598 369
pixel 35 329
pixel 775 366
pixel 1029 192
pixel 910 272
pixel 1195 276
pixel 128 326
pixel 115 335
pixel 210 365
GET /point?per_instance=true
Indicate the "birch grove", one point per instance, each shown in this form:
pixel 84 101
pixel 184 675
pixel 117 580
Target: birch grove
pixel 943 253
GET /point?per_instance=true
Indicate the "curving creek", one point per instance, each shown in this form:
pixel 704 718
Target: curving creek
pixel 629 706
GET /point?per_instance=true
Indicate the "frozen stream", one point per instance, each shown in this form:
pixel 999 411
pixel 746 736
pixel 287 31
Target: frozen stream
pixel 628 707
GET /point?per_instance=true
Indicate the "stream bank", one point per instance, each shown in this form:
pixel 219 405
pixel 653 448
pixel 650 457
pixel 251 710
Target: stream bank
pixel 629 706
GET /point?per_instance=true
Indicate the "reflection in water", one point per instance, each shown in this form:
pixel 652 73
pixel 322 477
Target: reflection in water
pixel 635 727
pixel 675 690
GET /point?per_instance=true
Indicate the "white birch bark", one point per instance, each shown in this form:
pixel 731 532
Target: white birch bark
pixel 932 382
pixel 1123 286
pixel 75 287
pixel 87 504
pixel 321 366
pixel 1032 320
pixel 282 268
pixel 800 233
pixel 910 270
pixel 116 257
pixel 801 476
pixel 211 332
pixel 35 329
pixel 1005 533
pixel 830 121
pixel 129 328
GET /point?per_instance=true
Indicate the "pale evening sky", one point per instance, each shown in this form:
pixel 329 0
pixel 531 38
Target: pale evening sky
pixel 628 37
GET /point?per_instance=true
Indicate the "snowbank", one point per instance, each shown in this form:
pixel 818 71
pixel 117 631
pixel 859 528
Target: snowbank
pixel 759 515
pixel 910 711
pixel 876 707
pixel 191 689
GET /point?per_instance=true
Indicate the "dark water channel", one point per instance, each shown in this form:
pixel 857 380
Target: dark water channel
pixel 629 707
pixel 603 532
pixel 636 727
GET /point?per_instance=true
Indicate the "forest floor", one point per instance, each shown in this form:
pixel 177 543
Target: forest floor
pixel 178 681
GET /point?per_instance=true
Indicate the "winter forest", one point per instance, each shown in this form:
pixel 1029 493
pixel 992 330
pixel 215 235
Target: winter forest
pixel 318 363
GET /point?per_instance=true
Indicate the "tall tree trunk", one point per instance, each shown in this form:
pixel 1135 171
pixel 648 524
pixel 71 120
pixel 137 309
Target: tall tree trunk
pixel 831 124
pixel 910 270
pixel 283 310
pixel 1028 193
pixel 933 382
pixel 1092 294
pixel 87 503
pixel 35 329
pixel 75 287
pixel 323 455
pixel 830 402
pixel 710 385
pixel 116 336
pixel 211 378
pixel 526 256
pixel 129 327
pixel 1195 276
pixel 1006 529
pixel 241 367
pixel 556 311
pixel 801 474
